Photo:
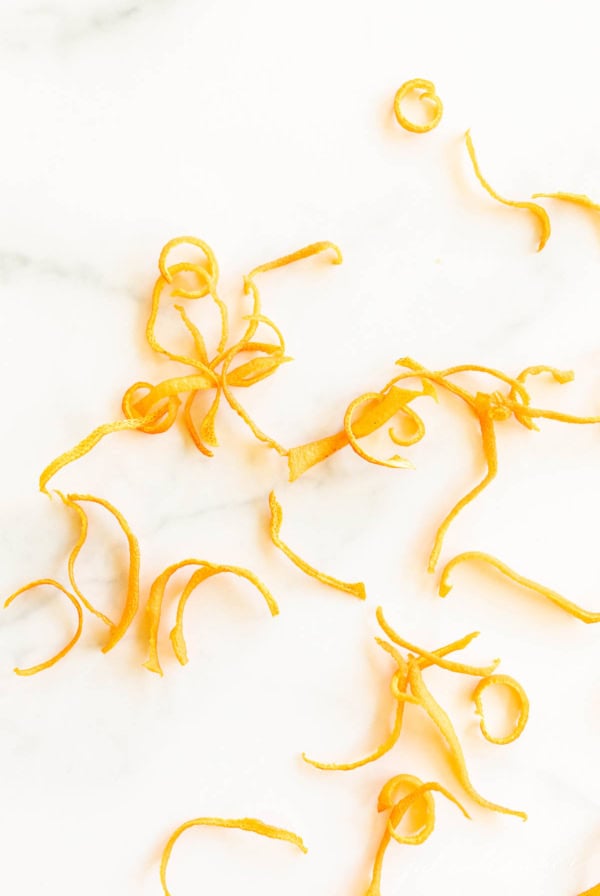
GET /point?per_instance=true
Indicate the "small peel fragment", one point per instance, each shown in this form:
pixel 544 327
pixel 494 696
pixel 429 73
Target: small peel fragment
pixel 33 670
pixel 355 588
pixel 517 689
pixel 253 825
pixel 445 585
pixel 540 213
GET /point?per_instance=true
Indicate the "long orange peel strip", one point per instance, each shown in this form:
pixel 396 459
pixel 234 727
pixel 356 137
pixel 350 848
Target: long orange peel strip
pixel 156 597
pixel 32 670
pixel 540 213
pixel 517 689
pixel 442 722
pixel 428 95
pixel 574 198
pixel 387 802
pixel 253 825
pixel 479 556
pixel 132 597
pixel 355 588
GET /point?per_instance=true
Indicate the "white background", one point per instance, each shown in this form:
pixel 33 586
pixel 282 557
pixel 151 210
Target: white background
pixel 261 127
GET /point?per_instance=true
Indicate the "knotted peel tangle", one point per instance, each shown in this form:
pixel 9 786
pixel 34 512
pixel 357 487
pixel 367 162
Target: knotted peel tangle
pixel 445 585
pixel 355 588
pixel 155 601
pixel 398 808
pixel 32 670
pixel 253 825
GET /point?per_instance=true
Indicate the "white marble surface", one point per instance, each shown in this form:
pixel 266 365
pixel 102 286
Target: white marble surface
pixel 262 127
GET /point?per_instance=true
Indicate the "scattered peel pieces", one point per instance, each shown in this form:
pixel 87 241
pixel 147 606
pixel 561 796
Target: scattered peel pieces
pixel 479 556
pixel 156 596
pixel 428 96
pixel 540 213
pixel 355 588
pixel 517 689
pixel 32 670
pixel 253 825
pixel 418 791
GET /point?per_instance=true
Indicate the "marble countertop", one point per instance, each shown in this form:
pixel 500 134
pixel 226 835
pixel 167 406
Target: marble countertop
pixel 260 128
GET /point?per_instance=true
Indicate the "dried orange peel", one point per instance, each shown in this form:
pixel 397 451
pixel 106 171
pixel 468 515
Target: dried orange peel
pixel 428 96
pixel 574 198
pixel 205 570
pixel 445 585
pixel 355 588
pixel 253 825
pixel 513 685
pixel 388 801
pixel 32 670
pixel 540 213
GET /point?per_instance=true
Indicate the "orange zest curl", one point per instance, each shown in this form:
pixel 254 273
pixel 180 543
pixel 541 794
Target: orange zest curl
pixel 479 556
pixel 427 96
pixel 355 588
pixel 253 825
pixel 540 213
pixel 32 670
pixel 507 682
pixel 398 808
pixel 155 601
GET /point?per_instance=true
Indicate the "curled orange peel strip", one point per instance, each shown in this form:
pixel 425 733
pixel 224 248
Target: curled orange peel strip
pixel 428 95
pixel 396 462
pixel 434 657
pixel 355 588
pixel 574 198
pixel 162 419
pixel 540 213
pixel 156 597
pixel 442 722
pixel 445 585
pixel 32 670
pixel 398 809
pixel 176 635
pixel 212 267
pixel 132 599
pixel 253 825
pixel 517 689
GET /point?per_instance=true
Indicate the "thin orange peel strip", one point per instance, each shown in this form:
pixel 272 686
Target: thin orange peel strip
pixel 445 585
pixel 253 825
pixel 575 198
pixel 396 462
pixel 199 576
pixel 442 722
pixel 355 588
pixel 434 658
pixel 428 95
pixel 540 212
pixel 132 597
pixel 32 670
pixel 517 689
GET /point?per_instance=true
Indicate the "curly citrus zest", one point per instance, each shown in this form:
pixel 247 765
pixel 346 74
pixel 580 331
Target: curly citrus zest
pixel 388 801
pixel 398 687
pixel 434 658
pixel 540 213
pixel 90 441
pixel 479 556
pixel 32 670
pixel 396 462
pixel 156 597
pixel 559 376
pixel 132 600
pixel 205 572
pixel 254 825
pixel 83 532
pixel 387 403
pixel 163 418
pixel 508 682
pixel 355 588
pixel 429 96
pixel 442 722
